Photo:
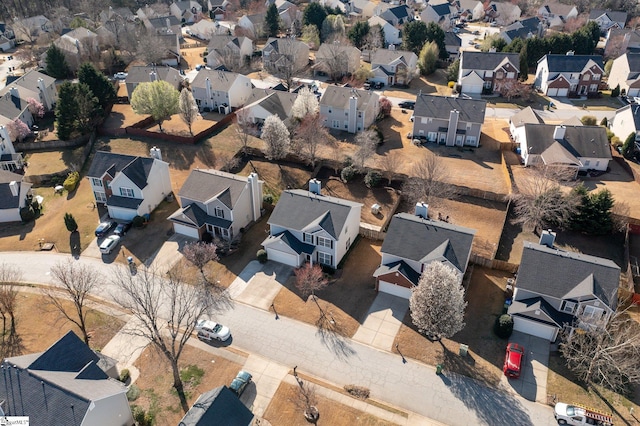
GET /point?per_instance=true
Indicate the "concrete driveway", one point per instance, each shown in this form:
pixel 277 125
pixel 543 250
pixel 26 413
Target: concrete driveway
pixel 383 321
pixel 532 383
pixel 258 284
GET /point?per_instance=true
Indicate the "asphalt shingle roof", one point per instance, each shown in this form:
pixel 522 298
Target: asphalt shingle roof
pixel 7 200
pixel 338 97
pixel 486 60
pixel 570 63
pixel 135 168
pixel 386 56
pixel 400 266
pixel 526 116
pixel 275 101
pixel 203 185
pixel 580 141
pixel 218 407
pixel 141 74
pixel 614 15
pixel 220 80
pixel 471 110
pixel 530 309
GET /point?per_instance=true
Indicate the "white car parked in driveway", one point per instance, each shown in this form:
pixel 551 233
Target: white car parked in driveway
pixel 211 330
pixel 109 243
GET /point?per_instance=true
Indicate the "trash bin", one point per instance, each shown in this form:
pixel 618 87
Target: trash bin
pixel 464 350
pixel 438 368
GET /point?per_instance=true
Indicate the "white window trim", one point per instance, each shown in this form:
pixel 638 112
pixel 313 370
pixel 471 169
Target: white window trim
pixel 127 192
pixel 324 242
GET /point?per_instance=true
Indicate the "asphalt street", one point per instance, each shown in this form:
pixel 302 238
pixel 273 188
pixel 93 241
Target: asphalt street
pixel 449 398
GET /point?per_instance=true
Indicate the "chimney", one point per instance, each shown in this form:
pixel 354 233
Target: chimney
pixel 153 76
pixel 256 194
pixel 454 116
pixel 315 186
pixel 155 153
pixel 492 50
pixel 558 133
pixel 45 94
pixel 14 92
pixel 13 185
pixel 570 53
pixel 168 21
pixel 422 210
pixel 207 84
pixel 353 112
pixel 547 238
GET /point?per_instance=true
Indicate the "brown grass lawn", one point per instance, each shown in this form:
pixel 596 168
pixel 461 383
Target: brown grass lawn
pixel 34 311
pixel 283 411
pixel 347 298
pixel 485 296
pixel 434 84
pixel 156 381
pixel 50 225
pixel 122 115
pixel 193 56
pixel 277 177
pixel 40 163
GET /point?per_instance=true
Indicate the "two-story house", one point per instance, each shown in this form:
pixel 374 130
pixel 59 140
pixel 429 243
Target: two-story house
pixel 129 186
pixel 266 102
pixel 36 85
pixel 392 34
pixel 219 203
pixel 397 15
pixel 361 8
pixel 448 120
pixel 10 160
pixel 217 8
pixel 625 72
pixel 13 106
pixel 414 241
pixel 7 37
pixel 502 13
pixel 77 45
pixel 607 19
pixel 163 25
pixel 231 51
pixel 619 41
pixel 391 67
pixel 337 60
pixel 220 90
pixel 453 43
pixel 349 109
pixel 251 26
pixel 285 53
pixel 557 289
pixel 29 29
pixel 288 12
pixel 555 15
pixel 626 122
pixel 487 71
pixel 142 74
pixel 307 226
pixel 524 29
pixel 569 75
pixel 440 12
pixel 187 11
pixel 576 147
pixel 471 10
pixel 13 195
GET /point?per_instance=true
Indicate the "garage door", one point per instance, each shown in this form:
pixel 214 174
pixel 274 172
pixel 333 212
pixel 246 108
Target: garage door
pixel 552 92
pixel 633 92
pixel 120 213
pixel 186 230
pixel 563 92
pixel 396 290
pixel 471 88
pixel 282 257
pixel 534 328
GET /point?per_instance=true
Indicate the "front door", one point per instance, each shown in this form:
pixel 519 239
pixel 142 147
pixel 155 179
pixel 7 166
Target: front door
pixel 459 140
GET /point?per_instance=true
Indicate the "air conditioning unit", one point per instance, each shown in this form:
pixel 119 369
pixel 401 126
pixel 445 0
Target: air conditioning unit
pixel 375 209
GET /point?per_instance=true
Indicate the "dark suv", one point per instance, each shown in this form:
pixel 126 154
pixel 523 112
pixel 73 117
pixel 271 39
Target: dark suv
pixel 103 229
pixel 407 104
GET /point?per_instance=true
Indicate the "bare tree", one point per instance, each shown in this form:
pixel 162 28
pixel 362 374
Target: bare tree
pixel 605 355
pixel 539 199
pixel 305 104
pixel 151 48
pixel 76 281
pixel 309 279
pixel 310 136
pixel 283 64
pixel 199 254
pixel 188 108
pixel 437 304
pixel 334 59
pixel 9 276
pixel 516 89
pixel 374 40
pixel 390 163
pixel 245 128
pixel 166 311
pixel 428 181
pixel 366 141
pixel 276 136
pixel 306 400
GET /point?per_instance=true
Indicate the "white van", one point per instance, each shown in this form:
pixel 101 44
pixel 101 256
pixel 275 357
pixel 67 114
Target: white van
pixel 576 414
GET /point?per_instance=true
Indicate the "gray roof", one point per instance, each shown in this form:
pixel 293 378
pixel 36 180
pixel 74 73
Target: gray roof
pixel 193 216
pixel 559 8
pixel 124 202
pixel 614 15
pixel 522 32
pixel 401 267
pixel 7 199
pixel 135 168
pixel 140 74
pixel 186 5
pixel 452 39
pixel 297 209
pixel 570 63
pixel 338 97
pixel 442 9
pixel 218 407
pixel 386 56
pixel 220 41
pixel 161 22
pixel 289 239
pixel 633 59
pixel 11 106
pixel 471 110
pixel 204 185
pixel 220 80
pixel 422 240
pixel 567 275
pixel 399 12
pixel 276 102
pixel 29 81
pixel 486 60
pixel 539 310
pixel 580 141
pixel 526 116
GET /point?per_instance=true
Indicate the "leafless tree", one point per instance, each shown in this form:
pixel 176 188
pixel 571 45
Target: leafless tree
pixel 200 254
pixel 539 199
pixel 428 181
pixel 334 60
pixel 283 64
pixel 226 161
pixel 9 276
pixel 310 136
pixel 366 141
pixel 309 279
pixel 245 129
pixel 437 304
pixel 374 40
pixel 620 215
pixel 151 48
pixel 606 355
pixel 76 282
pixel 188 108
pixel 166 311
pixel 276 136
pixel 516 89
pixel 306 400
pixel 389 164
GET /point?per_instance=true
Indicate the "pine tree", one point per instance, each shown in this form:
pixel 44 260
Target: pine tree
pixel 98 83
pixel 66 111
pixel 70 222
pixel 57 66
pixel 272 20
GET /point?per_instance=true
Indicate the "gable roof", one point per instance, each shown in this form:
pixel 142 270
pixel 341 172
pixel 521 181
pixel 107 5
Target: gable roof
pixel 486 60
pixel 441 9
pixel 338 97
pixel 297 209
pixel 218 407
pixel 204 185
pixel 137 169
pixel 140 74
pixel 633 60
pixel 539 310
pixel 386 56
pixel 400 12
pixel 277 102
pixel 525 116
pixel 423 240
pixel 573 121
pixel 579 141
pixel 471 110
pixel 401 267
pixel 220 80
pixel 559 8
pixel 220 41
pixel 555 273
pixel 570 63
pixel 452 39
pixel 613 15
pixel 161 21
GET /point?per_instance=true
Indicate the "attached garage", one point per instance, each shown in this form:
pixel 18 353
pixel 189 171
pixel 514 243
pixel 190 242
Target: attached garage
pixel 394 289
pixel 633 92
pixel 186 230
pixel 282 257
pixel 471 83
pixel 563 92
pixel 120 213
pixel 551 91
pixel 471 88
pixel 534 328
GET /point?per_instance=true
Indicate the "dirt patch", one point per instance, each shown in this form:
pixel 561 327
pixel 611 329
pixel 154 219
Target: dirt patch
pixel 346 299
pixel 283 411
pixel 156 381
pixel 485 297
pixel 277 177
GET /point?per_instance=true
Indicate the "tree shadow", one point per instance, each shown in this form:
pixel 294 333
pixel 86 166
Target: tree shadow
pixel 74 244
pixel 13 345
pixel 333 338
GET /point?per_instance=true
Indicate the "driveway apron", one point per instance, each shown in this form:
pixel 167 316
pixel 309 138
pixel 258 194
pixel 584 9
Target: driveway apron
pixel 383 321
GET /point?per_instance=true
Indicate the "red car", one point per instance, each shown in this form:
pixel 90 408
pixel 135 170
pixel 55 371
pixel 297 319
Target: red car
pixel 513 360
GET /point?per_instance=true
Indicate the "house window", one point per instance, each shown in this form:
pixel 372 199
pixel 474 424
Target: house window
pixel 126 192
pixel 568 307
pixel 585 77
pixel 593 88
pixel 592 312
pixel 499 75
pixel 596 77
pixel 219 212
pixel 100 197
pixel 348 244
pixel 325 242
pixel 511 75
pixel 487 84
pixel 325 258
pixel 346 114
pixel 96 182
pixel 587 162
pixel 431 136
pixel 489 74
pixel 308 238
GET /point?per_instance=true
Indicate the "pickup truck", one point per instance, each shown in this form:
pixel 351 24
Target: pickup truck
pixel 567 414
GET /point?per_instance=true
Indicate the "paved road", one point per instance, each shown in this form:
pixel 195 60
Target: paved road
pixel 450 399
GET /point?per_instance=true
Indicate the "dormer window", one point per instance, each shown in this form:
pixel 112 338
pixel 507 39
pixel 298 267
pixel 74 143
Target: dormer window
pixel 499 75
pixel 568 307
pixel 307 238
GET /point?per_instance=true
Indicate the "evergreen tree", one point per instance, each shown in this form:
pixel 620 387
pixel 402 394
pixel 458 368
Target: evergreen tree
pixel 314 14
pixel 436 34
pixel 358 32
pixel 66 111
pixel 57 66
pixel 70 222
pixel 594 212
pixel 629 146
pixel 414 35
pixel 615 92
pixel 272 20
pixel 88 110
pixel 524 63
pixel 98 83
pixel 428 60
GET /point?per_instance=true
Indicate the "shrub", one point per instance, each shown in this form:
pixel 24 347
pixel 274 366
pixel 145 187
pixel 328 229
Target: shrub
pixel 261 255
pixel 71 182
pixel 604 122
pixel 358 391
pixel 267 199
pixel 207 237
pixel 141 417
pixel 137 222
pixel 589 120
pixel 27 213
pixel 372 178
pixel 133 393
pixel 348 173
pixel 616 142
pixel 451 84
pixel 125 375
pixel 609 134
pixel 70 222
pixel 347 161
pixel 192 375
pixel 615 92
pixel 503 326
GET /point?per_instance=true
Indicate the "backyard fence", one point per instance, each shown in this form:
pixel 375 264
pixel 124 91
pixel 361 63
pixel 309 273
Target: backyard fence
pixel 372 232
pixel 50 145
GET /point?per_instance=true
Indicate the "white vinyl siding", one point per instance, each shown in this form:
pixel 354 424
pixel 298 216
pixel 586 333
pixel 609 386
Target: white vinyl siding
pixel 100 197
pixel 324 242
pixel 325 258
pixel 96 182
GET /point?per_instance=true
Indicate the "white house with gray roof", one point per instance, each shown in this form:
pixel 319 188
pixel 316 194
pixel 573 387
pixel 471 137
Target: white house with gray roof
pixel 264 103
pixel 307 226
pixel 36 85
pixel 440 12
pixel 143 74
pixel 285 54
pixel 625 72
pixel 13 195
pixel 187 11
pixel 607 19
pixel 391 34
pixel 231 51
pixel 220 90
pixel 390 66
pixel 557 289
pixel 625 122
pixel 519 119
pixel 129 186
pixel 219 203
pixel 448 120
pixel 555 15
pixel 10 160
pixel 488 71
pixel 412 242
pixel 564 75
pixel 348 109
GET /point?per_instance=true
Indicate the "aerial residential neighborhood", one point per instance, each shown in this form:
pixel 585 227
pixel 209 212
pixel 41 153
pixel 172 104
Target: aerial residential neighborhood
pixel 353 212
